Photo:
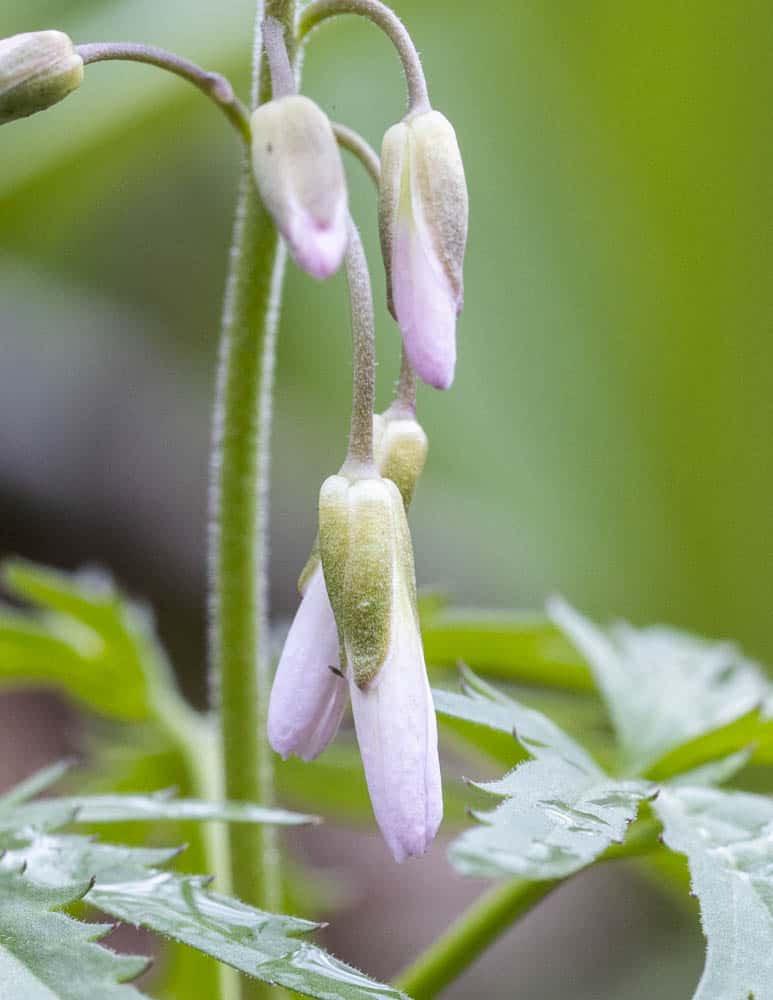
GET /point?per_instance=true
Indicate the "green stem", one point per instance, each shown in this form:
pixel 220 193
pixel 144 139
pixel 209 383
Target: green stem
pixel 475 930
pixel 353 142
pixel 214 85
pixel 240 667
pixel 385 18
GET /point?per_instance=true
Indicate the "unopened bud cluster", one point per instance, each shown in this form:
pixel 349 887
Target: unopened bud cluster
pixel 356 634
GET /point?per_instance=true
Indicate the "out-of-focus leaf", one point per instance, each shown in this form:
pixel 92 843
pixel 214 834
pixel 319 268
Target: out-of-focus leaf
pixel 560 810
pixel 665 688
pixel 727 839
pixel 525 649
pixel 36 783
pixel 87 640
pixel 716 772
pixel 147 808
pixel 46 955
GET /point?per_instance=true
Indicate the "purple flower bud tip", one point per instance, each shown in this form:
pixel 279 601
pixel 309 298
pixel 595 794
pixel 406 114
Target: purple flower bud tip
pixel 397 731
pixel 318 247
pixel 425 308
pixel 308 699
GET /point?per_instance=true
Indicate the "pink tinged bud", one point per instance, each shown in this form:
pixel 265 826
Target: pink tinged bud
pixel 308 699
pixel 300 176
pixel 423 211
pixel 397 732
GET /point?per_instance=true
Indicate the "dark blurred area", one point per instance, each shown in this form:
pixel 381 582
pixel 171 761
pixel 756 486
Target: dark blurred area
pixel 608 433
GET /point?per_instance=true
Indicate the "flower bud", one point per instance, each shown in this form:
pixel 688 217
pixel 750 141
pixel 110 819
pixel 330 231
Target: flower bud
pixel 300 176
pixel 401 453
pixel 358 543
pixel 423 224
pixel 37 69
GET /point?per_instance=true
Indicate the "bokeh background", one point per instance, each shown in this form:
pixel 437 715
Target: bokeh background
pixel 608 433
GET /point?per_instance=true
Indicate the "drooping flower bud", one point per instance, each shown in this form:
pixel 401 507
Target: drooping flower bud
pixel 37 69
pixel 368 562
pixel 423 211
pixel 300 176
pixel 309 694
pixel 401 453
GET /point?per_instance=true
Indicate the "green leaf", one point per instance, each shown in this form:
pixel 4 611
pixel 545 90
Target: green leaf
pixel 49 956
pixel 560 810
pixel 129 884
pixel 726 837
pixel 665 688
pixel 526 649
pixel 147 808
pixel 87 641
pixel 716 772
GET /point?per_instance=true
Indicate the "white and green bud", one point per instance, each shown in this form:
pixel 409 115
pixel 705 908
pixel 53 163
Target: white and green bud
pixel 37 70
pixel 365 546
pixel 401 453
pixel 423 210
pixel 300 176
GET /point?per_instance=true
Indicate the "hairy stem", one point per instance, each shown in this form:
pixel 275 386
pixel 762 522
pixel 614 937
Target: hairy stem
pixel 238 562
pixel 353 142
pixel 464 941
pixel 404 404
pixel 386 19
pixel 360 455
pixel 214 85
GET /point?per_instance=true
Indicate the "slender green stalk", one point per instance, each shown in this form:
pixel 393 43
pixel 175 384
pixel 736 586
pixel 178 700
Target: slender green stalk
pixel 353 142
pixel 386 19
pixel 214 85
pixel 241 671
pixel 360 454
pixel 475 930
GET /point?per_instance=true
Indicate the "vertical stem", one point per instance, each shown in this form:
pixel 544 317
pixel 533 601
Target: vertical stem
pixel 405 394
pixel 241 674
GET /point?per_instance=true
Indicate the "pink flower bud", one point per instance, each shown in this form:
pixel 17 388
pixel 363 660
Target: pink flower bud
pixel 308 699
pixel 300 177
pixel 423 213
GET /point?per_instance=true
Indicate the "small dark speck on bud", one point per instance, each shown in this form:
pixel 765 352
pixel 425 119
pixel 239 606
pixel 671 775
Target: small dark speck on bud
pixel 269 148
pixel 337 671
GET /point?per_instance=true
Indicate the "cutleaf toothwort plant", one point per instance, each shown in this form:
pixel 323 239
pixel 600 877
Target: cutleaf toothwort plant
pixel 686 715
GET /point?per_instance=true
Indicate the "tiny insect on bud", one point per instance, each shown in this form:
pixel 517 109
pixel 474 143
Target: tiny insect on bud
pixel 300 176
pixel 37 69
pixel 423 210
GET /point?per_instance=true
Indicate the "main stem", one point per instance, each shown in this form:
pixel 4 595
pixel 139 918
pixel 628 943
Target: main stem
pixel 241 671
pixel 475 930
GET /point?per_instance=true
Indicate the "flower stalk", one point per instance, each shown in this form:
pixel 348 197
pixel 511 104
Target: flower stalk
pixel 320 11
pixel 213 85
pixel 238 559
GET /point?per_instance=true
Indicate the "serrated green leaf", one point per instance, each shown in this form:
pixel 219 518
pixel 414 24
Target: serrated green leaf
pixel 129 885
pixel 665 688
pixel 87 640
pixel 46 955
pixel 560 810
pixel 525 649
pixel 727 838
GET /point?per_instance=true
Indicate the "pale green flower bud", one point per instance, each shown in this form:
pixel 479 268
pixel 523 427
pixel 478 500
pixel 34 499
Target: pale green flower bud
pixel 401 453
pixel 37 69
pixel 300 177
pixel 423 213
pixel 364 544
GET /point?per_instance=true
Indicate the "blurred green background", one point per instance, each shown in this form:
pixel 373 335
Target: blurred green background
pixel 608 433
